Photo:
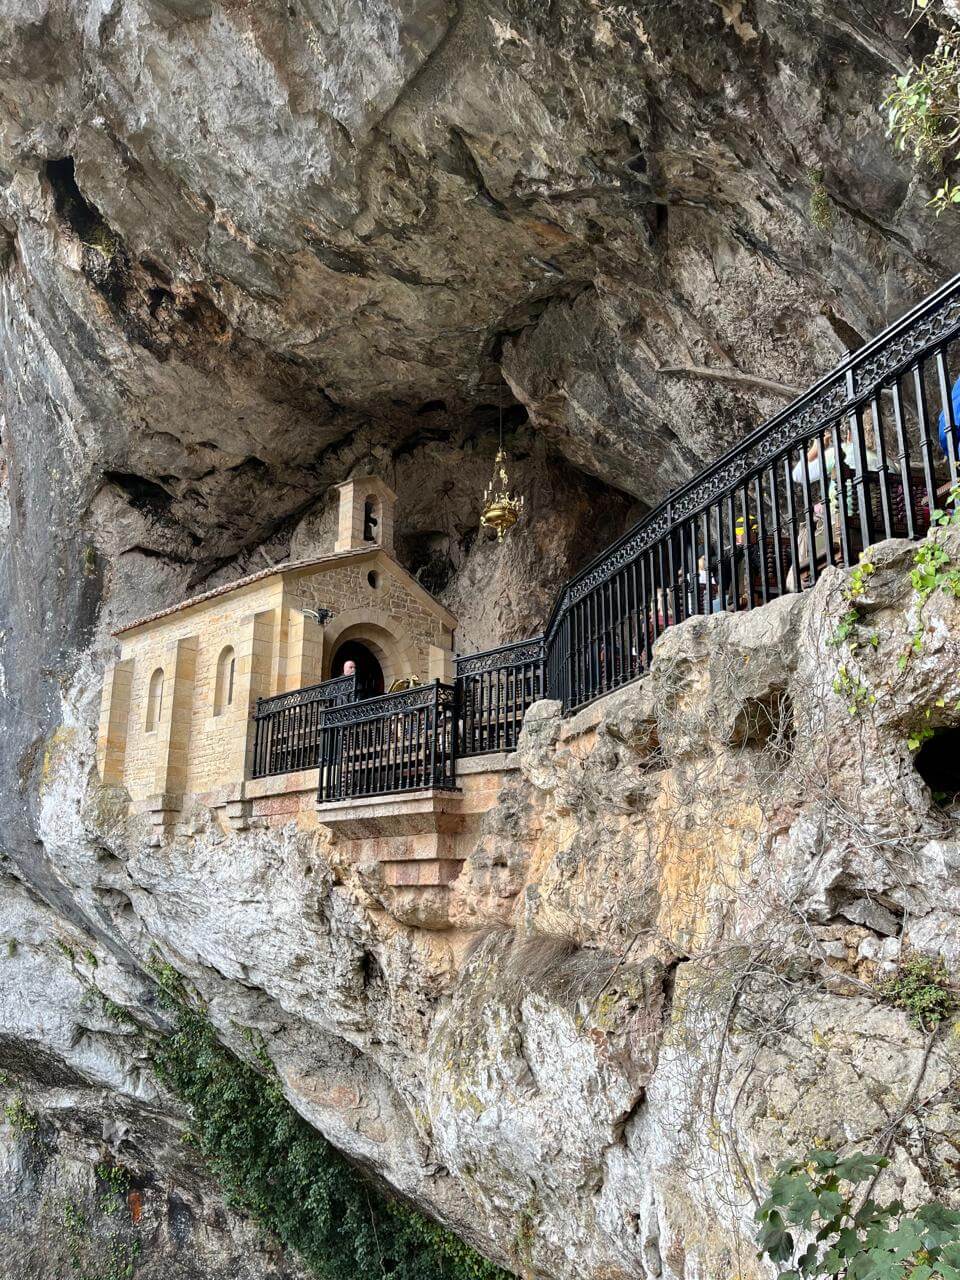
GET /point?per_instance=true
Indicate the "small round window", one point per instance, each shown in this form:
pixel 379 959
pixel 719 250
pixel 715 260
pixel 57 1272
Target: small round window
pixel 373 578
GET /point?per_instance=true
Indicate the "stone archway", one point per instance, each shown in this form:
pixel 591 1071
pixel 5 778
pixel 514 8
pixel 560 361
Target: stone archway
pixel 366 663
pixel 393 649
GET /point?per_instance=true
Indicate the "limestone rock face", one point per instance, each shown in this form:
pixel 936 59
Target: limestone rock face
pixel 248 249
pixel 660 979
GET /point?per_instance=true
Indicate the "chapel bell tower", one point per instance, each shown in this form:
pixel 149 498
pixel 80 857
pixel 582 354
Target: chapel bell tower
pixel 366 515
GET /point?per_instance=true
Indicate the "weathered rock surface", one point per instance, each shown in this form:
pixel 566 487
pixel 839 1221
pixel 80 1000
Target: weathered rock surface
pixel 248 248
pixel 661 979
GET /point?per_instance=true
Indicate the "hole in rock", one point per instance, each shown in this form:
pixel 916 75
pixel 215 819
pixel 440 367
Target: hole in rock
pixel 145 495
pixel 74 208
pixel 432 406
pixel 938 763
pixel 370 969
pixel 658 219
pixel 767 723
pixel 373 578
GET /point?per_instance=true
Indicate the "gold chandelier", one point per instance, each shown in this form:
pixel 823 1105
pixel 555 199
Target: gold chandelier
pixel 501 508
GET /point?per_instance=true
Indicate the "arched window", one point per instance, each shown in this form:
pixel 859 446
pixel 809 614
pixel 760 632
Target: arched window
pixel 371 519
pixel 155 700
pixel 226 671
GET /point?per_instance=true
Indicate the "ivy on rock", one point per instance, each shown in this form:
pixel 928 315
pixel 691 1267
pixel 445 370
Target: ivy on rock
pixel 274 1166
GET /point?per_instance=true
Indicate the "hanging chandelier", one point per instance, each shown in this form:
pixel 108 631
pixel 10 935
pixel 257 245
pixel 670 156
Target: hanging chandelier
pixel 501 508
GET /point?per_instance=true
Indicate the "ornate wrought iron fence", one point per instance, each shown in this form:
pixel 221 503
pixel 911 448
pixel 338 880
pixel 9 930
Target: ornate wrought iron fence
pixel 494 690
pixel 287 726
pixel 866 454
pixel 398 742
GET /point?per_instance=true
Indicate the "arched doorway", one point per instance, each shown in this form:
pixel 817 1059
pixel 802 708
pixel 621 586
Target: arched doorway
pixel 370 681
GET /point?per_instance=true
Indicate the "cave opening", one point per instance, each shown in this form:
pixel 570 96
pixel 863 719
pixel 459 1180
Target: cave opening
pixel 938 762
pixel 76 210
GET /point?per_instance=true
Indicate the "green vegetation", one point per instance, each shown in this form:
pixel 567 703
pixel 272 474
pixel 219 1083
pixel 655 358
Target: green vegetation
pixel 114 1183
pixel 858 579
pixel 923 112
pixel 816 1199
pixel 821 206
pixel 857 694
pixel 526 1234
pixel 274 1166
pixel 20 1118
pixel 846 634
pixel 932 571
pixel 921 988
pixel 846 629
pixel 93 1258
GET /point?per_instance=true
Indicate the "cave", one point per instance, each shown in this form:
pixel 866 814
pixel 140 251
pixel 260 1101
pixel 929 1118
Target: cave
pixel 278 282
pixel 938 762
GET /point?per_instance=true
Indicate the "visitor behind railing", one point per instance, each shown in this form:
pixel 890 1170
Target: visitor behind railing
pixel 864 455
pixel 397 742
pixel 868 453
pixel 494 690
pixel 287 726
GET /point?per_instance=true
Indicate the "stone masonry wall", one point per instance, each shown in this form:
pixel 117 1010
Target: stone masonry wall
pixel 194 751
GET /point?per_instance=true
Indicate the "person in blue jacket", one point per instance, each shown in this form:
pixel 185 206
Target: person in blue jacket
pixel 942 422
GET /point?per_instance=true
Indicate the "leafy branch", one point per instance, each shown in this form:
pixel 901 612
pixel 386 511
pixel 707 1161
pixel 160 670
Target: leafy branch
pixel 811 1226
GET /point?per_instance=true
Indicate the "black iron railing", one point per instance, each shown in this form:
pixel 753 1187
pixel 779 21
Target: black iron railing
pixel 397 742
pixel 856 459
pixel 866 454
pixel 287 726
pixel 494 689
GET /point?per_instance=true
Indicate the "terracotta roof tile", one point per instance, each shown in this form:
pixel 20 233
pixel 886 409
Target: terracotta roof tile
pixel 285 567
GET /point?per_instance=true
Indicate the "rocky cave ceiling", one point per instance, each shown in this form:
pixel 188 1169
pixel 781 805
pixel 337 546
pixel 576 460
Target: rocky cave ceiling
pixel 250 246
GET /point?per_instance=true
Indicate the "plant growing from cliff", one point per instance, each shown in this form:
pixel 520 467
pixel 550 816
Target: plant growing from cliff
pixel 114 1181
pixel 857 694
pixel 275 1166
pixel 921 988
pixel 932 571
pixel 821 206
pixel 846 634
pixel 846 629
pixel 20 1118
pixel 814 1222
pixel 96 1258
pixel 923 113
pixel 859 577
pixel 921 734
pixel 950 512
pixel 526 1234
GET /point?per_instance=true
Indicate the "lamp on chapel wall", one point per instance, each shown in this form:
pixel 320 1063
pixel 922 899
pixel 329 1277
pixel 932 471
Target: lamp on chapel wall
pixel 501 508
pixel 319 616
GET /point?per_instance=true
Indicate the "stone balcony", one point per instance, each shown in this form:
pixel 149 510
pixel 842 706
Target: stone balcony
pixel 409 847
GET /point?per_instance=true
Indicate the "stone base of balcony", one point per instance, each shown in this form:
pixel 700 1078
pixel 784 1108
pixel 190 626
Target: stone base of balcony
pixel 418 840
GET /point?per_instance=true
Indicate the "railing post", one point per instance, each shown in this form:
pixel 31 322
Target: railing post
pixel 435 733
pixel 454 738
pixel 861 466
pixel 258 729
